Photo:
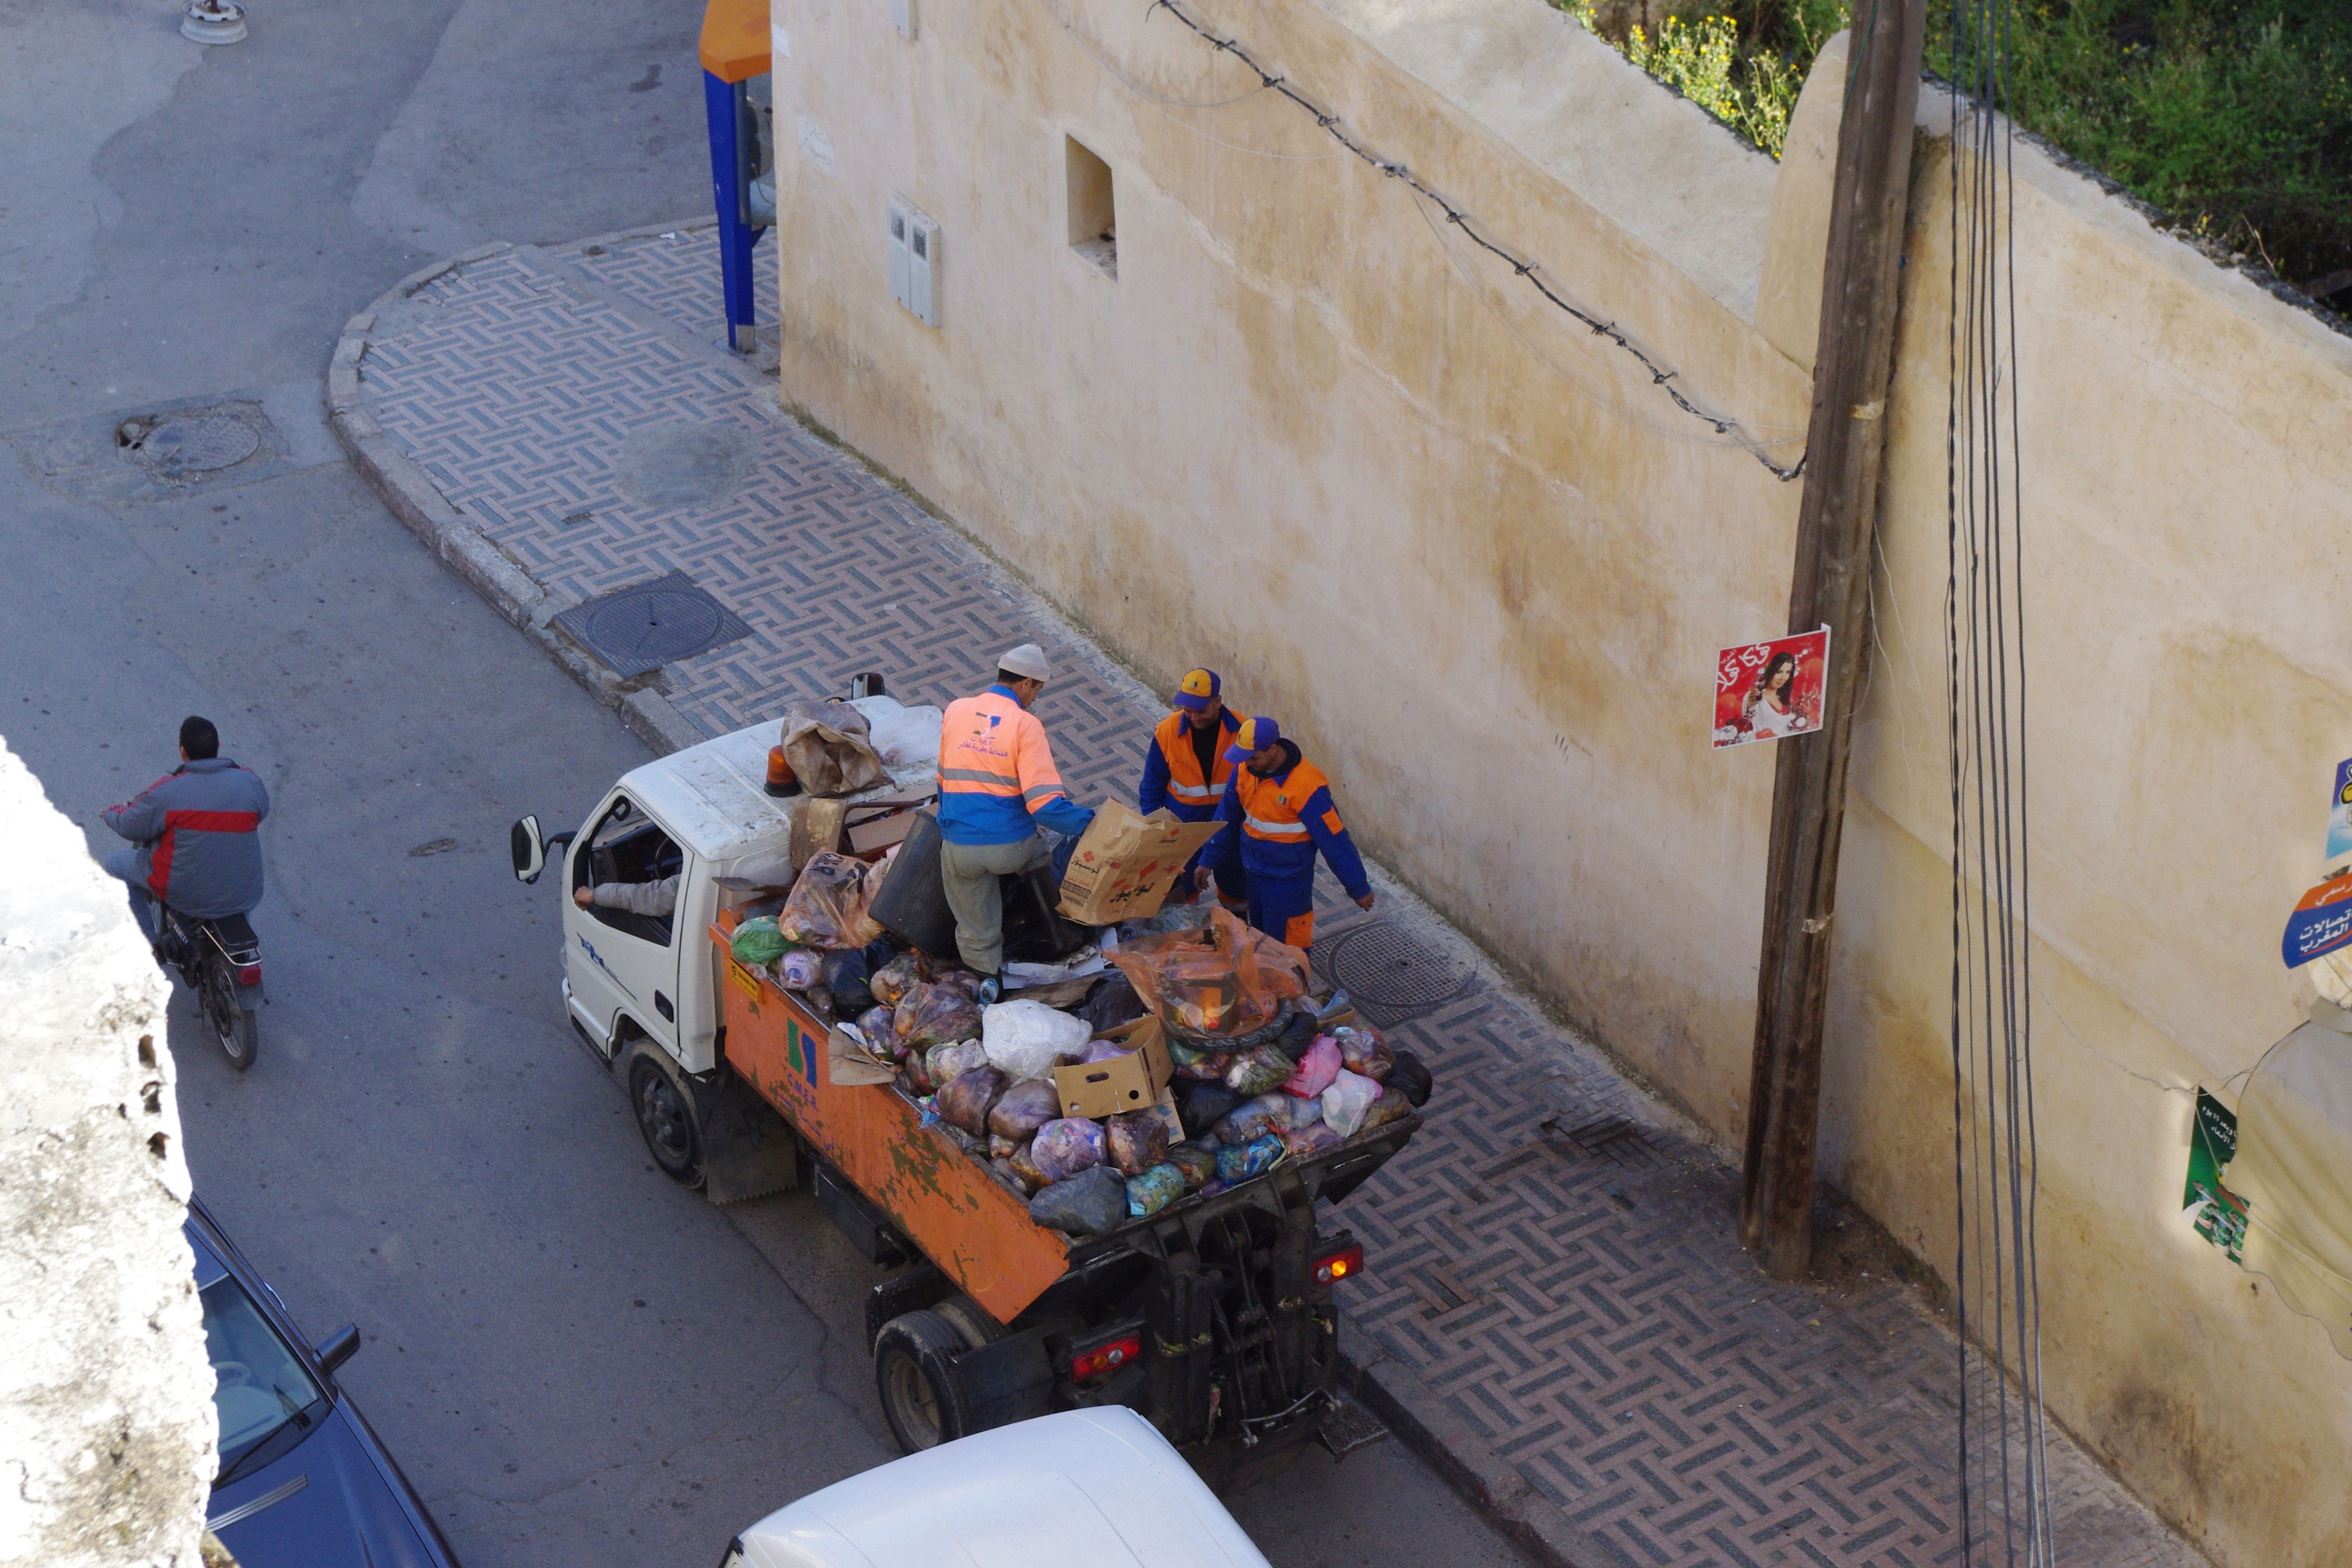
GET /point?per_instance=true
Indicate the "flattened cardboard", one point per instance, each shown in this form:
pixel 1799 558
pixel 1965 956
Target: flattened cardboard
pixel 1126 863
pixel 1133 1082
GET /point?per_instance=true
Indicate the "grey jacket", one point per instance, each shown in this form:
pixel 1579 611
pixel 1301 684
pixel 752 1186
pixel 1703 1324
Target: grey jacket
pixel 196 826
pixel 659 900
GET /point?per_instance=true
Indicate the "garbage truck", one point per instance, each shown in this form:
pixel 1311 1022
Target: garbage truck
pixel 1215 1318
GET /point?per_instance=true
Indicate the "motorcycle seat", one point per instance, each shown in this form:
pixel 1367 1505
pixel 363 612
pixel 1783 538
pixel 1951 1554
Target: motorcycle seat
pixel 234 931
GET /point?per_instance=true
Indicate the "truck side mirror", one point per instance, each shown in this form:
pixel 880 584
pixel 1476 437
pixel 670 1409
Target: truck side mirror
pixel 529 850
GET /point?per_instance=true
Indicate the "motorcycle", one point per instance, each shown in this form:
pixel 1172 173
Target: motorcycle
pixel 221 961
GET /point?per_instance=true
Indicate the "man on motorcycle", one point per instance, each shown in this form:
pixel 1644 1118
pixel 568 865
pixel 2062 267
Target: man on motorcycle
pixel 198 850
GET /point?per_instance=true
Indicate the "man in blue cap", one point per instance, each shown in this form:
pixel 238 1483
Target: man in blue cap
pixel 1278 806
pixel 1186 770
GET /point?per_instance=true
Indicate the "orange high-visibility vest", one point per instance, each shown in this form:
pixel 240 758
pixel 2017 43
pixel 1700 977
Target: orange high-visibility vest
pixel 993 748
pixel 1184 780
pixel 1271 808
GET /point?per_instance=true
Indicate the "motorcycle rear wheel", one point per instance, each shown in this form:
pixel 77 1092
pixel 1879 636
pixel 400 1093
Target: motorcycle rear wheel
pixel 236 1026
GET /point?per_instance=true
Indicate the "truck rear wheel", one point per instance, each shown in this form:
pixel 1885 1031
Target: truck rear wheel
pixel 665 1115
pixel 914 1372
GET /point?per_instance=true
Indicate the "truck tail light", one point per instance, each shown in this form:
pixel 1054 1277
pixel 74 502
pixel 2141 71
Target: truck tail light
pixel 1097 1360
pixel 1344 1264
pixel 248 975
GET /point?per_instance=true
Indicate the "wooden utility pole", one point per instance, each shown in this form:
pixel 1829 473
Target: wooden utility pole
pixel 1830 587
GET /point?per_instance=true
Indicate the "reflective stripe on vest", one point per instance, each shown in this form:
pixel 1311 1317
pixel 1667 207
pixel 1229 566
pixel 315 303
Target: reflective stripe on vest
pixel 1275 829
pixel 1264 795
pixel 1184 763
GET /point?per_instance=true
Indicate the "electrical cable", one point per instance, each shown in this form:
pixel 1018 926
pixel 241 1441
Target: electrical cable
pixel 1660 376
pixel 2004 1495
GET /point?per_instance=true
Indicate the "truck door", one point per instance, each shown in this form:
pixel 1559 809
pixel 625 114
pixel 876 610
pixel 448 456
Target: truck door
pixel 624 960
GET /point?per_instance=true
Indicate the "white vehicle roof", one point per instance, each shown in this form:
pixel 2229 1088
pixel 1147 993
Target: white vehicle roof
pixel 713 797
pixel 1093 1489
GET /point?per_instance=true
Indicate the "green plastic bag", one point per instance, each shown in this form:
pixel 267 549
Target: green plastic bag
pixel 759 942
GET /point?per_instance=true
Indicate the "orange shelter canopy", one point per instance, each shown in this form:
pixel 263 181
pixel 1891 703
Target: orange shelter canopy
pixel 735 40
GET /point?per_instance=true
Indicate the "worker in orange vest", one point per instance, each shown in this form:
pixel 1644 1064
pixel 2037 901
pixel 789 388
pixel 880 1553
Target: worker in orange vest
pixel 1279 808
pixel 998 784
pixel 1186 770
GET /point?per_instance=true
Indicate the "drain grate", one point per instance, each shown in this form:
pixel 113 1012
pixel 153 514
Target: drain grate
pixel 648 624
pixel 1390 973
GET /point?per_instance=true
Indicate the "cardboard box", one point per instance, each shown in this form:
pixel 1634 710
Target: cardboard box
pixel 1134 1081
pixel 1126 863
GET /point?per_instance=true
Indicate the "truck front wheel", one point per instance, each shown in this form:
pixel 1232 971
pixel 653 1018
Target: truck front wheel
pixel 922 1391
pixel 665 1115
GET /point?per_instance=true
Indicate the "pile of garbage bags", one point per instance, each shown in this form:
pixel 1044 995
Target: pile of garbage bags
pixel 1263 1074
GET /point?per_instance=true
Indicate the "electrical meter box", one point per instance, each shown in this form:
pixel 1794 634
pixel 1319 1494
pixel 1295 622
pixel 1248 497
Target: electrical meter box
pixel 914 260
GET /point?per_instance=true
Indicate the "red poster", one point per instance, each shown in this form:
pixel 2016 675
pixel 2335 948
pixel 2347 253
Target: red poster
pixel 1769 690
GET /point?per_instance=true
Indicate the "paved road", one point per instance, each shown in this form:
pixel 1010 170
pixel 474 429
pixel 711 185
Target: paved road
pixel 577 1363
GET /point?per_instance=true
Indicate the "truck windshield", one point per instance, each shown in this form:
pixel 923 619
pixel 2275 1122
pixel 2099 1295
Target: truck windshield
pixel 259 1384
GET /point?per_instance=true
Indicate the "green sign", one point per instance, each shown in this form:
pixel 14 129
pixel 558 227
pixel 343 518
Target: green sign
pixel 2219 1215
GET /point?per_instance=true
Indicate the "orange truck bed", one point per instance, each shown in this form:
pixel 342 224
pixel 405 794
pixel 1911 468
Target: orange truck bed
pixel 977 1232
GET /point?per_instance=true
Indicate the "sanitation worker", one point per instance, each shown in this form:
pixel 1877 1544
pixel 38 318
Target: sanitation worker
pixel 1186 771
pixel 998 784
pixel 1279 808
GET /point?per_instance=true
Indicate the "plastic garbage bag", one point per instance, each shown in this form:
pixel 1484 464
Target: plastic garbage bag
pixel 880 1025
pixel 1066 1146
pixel 1026 1106
pixel 828 905
pixel 897 978
pixel 999 1146
pixel 1392 1106
pixel 1305 1112
pixel 1240 1162
pixel 1193 1060
pixel 1087 1203
pixel 1029 1039
pixel 1224 980
pixel 1363 1052
pixel 1149 1191
pixel 1255 1118
pixel 934 1015
pixel 1136 1140
pixel 1197 1162
pixel 1303 1141
pixel 1210 1188
pixel 965 1100
pixel 1201 1108
pixel 831 748
pixel 800 968
pixel 844 980
pixel 1102 1052
pixel 1299 1032
pixel 1111 1003
pixel 757 942
pixel 902 736
pixel 1316 1068
pixel 952 1061
pixel 1345 1102
pixel 1410 1075
pixel 1258 1069
pixel 1024 1165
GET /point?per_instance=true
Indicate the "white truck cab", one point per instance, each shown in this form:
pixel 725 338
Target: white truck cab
pixel 641 989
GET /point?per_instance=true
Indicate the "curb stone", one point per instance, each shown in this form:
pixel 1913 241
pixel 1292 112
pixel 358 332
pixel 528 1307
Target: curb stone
pixel 1413 1411
pixel 461 545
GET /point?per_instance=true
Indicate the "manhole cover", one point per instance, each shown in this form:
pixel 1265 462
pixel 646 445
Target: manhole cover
pixel 1386 970
pixel 174 448
pixel 648 624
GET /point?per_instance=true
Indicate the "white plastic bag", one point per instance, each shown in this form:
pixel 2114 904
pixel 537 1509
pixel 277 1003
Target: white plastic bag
pixel 903 737
pixel 1028 1039
pixel 1345 1102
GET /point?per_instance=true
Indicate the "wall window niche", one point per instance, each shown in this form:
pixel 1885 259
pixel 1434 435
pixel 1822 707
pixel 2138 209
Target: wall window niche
pixel 1094 219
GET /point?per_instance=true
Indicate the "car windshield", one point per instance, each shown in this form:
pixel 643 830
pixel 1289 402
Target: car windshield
pixel 258 1382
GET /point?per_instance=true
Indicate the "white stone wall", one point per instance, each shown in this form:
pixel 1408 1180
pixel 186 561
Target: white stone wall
pixel 107 1434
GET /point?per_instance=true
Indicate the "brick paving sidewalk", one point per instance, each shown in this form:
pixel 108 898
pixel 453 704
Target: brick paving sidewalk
pixel 1551 1260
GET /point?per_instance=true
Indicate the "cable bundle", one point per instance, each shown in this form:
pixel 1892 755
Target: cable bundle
pixel 2004 1483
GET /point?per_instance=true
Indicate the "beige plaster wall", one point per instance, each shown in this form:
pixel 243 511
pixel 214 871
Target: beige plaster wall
pixel 1480 565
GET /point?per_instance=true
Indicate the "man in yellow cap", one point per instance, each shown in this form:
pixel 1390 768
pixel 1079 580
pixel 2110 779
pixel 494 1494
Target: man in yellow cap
pixel 1186 771
pixel 997 785
pixel 1279 808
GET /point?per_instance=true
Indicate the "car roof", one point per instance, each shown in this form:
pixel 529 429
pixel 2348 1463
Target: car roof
pixel 1098 1487
pixel 713 797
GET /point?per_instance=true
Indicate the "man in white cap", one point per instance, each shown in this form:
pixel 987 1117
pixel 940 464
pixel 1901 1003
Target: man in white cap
pixel 997 785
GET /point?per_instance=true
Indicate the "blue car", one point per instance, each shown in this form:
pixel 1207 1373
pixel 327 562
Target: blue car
pixel 303 1481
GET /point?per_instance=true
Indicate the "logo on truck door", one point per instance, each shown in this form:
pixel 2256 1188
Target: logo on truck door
pixel 598 960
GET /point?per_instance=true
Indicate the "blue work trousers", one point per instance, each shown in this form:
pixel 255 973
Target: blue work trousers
pixel 1284 908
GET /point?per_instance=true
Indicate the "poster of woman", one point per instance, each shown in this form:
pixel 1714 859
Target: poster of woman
pixel 1769 690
